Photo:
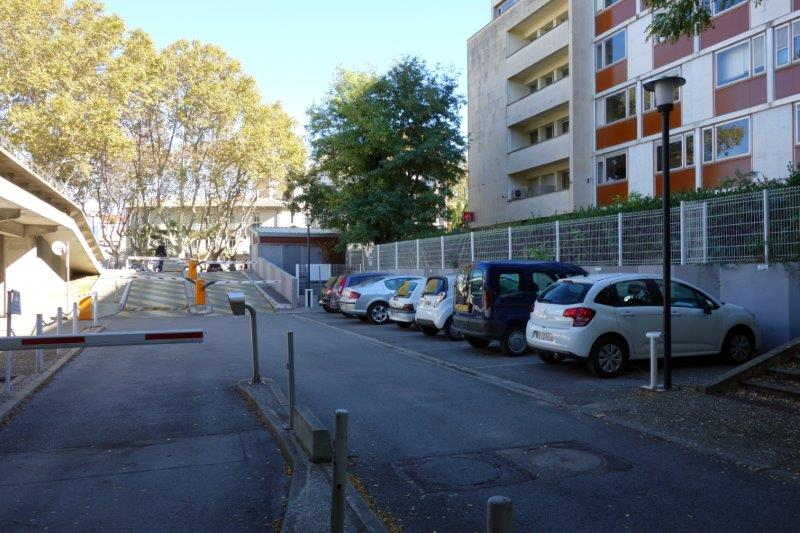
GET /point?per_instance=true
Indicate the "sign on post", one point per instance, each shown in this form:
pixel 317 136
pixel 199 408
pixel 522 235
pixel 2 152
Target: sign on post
pixel 14 303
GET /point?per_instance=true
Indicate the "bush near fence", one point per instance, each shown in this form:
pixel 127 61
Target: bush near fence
pixel 761 226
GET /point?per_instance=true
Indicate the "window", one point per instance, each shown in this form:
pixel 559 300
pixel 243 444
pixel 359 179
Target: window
pixel 535 136
pixel 549 131
pixel 563 180
pixel 548 79
pixel 718 6
pixel 563 126
pixel 565 293
pixel 540 281
pixel 546 28
pixel 508 283
pixel 610 50
pixel 612 168
pixel 637 293
pixel 797 123
pixel 617 106
pixel 603 4
pixel 787 43
pixel 406 288
pixel 503 7
pixel 435 286
pixel 563 72
pixel 681 152
pixel 740 61
pixel 731 139
pixel 544 184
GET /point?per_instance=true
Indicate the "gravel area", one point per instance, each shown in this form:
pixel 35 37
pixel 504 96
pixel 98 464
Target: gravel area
pixel 754 435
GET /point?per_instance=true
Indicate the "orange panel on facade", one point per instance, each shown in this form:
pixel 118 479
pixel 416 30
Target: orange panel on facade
pixel 787 81
pixel 651 121
pixel 797 4
pixel 610 76
pixel 729 24
pixel 608 193
pixel 617 133
pixel 616 14
pixel 714 174
pixel 679 181
pixel 740 95
pixel 667 52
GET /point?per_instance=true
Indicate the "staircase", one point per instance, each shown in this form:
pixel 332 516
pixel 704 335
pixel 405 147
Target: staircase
pixel 773 378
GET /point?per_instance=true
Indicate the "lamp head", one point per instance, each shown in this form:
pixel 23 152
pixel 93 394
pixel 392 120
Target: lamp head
pixel 59 248
pixel 664 89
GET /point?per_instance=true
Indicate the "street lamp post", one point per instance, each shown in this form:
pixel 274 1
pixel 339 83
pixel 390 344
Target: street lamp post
pixel 663 90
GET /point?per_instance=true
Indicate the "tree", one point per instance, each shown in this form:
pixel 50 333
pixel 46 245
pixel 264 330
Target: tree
pixel 676 18
pixel 386 153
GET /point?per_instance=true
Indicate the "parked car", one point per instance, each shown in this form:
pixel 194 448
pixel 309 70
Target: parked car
pixel 403 305
pixel 349 280
pixel 435 309
pixel 326 292
pixel 604 319
pixel 370 299
pixel 494 300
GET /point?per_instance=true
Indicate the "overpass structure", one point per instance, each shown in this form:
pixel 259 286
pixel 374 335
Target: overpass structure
pixel 34 213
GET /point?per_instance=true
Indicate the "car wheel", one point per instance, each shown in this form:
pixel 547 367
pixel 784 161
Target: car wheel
pixel 430 331
pixel 514 342
pixel 378 313
pixel 738 347
pixel 608 358
pixel 452 333
pixel 404 325
pixel 551 358
pixel 475 342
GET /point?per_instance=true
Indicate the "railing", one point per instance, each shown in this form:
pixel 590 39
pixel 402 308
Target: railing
pixel 759 227
pixel 285 284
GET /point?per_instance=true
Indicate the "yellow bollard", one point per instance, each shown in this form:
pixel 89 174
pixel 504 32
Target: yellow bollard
pixel 85 308
pixel 200 292
pixel 192 269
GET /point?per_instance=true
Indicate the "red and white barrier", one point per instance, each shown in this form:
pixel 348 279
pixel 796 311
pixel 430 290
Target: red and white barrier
pixel 89 340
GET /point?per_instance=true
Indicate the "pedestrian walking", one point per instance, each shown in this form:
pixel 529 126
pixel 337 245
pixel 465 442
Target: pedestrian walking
pixel 161 253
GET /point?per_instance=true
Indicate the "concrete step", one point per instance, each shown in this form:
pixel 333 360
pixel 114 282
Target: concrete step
pixel 772 387
pixel 785 373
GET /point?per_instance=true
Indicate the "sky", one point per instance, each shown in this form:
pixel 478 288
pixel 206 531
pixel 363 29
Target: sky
pixel 292 48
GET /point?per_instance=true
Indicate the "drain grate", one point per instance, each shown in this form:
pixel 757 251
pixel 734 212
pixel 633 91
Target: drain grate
pixel 508 466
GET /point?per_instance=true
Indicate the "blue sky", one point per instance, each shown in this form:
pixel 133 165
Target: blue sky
pixel 293 47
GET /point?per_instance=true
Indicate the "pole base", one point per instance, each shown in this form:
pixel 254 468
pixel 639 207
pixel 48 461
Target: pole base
pixel 657 388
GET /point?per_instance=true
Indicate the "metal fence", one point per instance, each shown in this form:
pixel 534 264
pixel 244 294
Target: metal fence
pixel 758 227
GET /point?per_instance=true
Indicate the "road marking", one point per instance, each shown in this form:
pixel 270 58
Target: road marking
pixel 509 385
pixel 500 365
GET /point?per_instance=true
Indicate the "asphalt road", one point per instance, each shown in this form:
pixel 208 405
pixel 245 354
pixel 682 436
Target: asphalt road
pixel 431 444
pixel 141 439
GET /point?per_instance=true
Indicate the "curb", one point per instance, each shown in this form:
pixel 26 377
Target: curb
pixel 12 406
pixel 308 503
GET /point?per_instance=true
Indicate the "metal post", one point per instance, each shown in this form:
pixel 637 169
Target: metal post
pixel 619 239
pixel 683 232
pixel 472 246
pixel 290 368
pixel 396 255
pixel 653 336
pixel 38 353
pixel 499 515
pixel 254 337
pixel 417 254
pixel 74 318
pixel 766 225
pixel 308 252
pixel 441 246
pixel 667 248
pixel 59 324
pixel 378 253
pixel 558 241
pixel 705 232
pixel 8 313
pixel 9 361
pixel 95 306
pixel 339 472
pixel 309 298
pixel 510 247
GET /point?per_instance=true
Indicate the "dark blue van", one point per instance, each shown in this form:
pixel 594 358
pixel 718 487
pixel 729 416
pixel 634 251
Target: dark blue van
pixel 494 299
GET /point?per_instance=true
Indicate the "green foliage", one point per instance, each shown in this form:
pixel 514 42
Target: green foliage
pixel 676 18
pixel 386 150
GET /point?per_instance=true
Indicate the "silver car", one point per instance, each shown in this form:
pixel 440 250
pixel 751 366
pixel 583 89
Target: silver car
pixel 370 300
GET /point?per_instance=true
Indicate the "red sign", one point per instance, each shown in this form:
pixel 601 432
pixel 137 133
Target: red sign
pixel 468 216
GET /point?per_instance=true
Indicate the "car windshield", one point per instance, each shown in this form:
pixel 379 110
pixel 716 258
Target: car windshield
pixel 330 283
pixel 565 293
pixel 407 287
pixel 435 286
pixel 363 280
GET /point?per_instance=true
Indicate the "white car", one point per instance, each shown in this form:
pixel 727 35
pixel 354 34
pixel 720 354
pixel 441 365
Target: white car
pixel 436 307
pixel 604 319
pixel 403 305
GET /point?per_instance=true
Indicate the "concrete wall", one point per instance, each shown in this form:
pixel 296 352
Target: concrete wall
pixel 772 293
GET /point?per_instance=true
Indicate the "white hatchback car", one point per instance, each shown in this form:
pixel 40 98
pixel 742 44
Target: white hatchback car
pixel 435 309
pixel 403 305
pixel 604 319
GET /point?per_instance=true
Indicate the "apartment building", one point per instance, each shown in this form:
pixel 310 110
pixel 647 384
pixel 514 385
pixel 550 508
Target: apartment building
pixel 738 114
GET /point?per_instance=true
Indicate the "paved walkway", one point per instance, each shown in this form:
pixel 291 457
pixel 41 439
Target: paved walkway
pixel 144 439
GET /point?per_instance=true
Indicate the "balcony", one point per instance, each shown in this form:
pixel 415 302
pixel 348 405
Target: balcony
pixel 538 102
pixel 539 154
pixel 537 50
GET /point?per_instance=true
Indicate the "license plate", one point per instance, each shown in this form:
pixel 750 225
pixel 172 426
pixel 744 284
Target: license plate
pixel 462 308
pixel 544 336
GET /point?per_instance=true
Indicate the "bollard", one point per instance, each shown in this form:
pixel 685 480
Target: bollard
pixel 339 472
pixel 200 292
pixel 38 353
pixel 94 309
pixel 192 272
pixel 653 336
pixel 499 515
pixel 74 318
pixel 290 368
pixel 59 326
pixel 309 298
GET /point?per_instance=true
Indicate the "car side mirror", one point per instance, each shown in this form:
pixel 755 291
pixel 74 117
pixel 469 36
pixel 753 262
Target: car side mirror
pixel 707 308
